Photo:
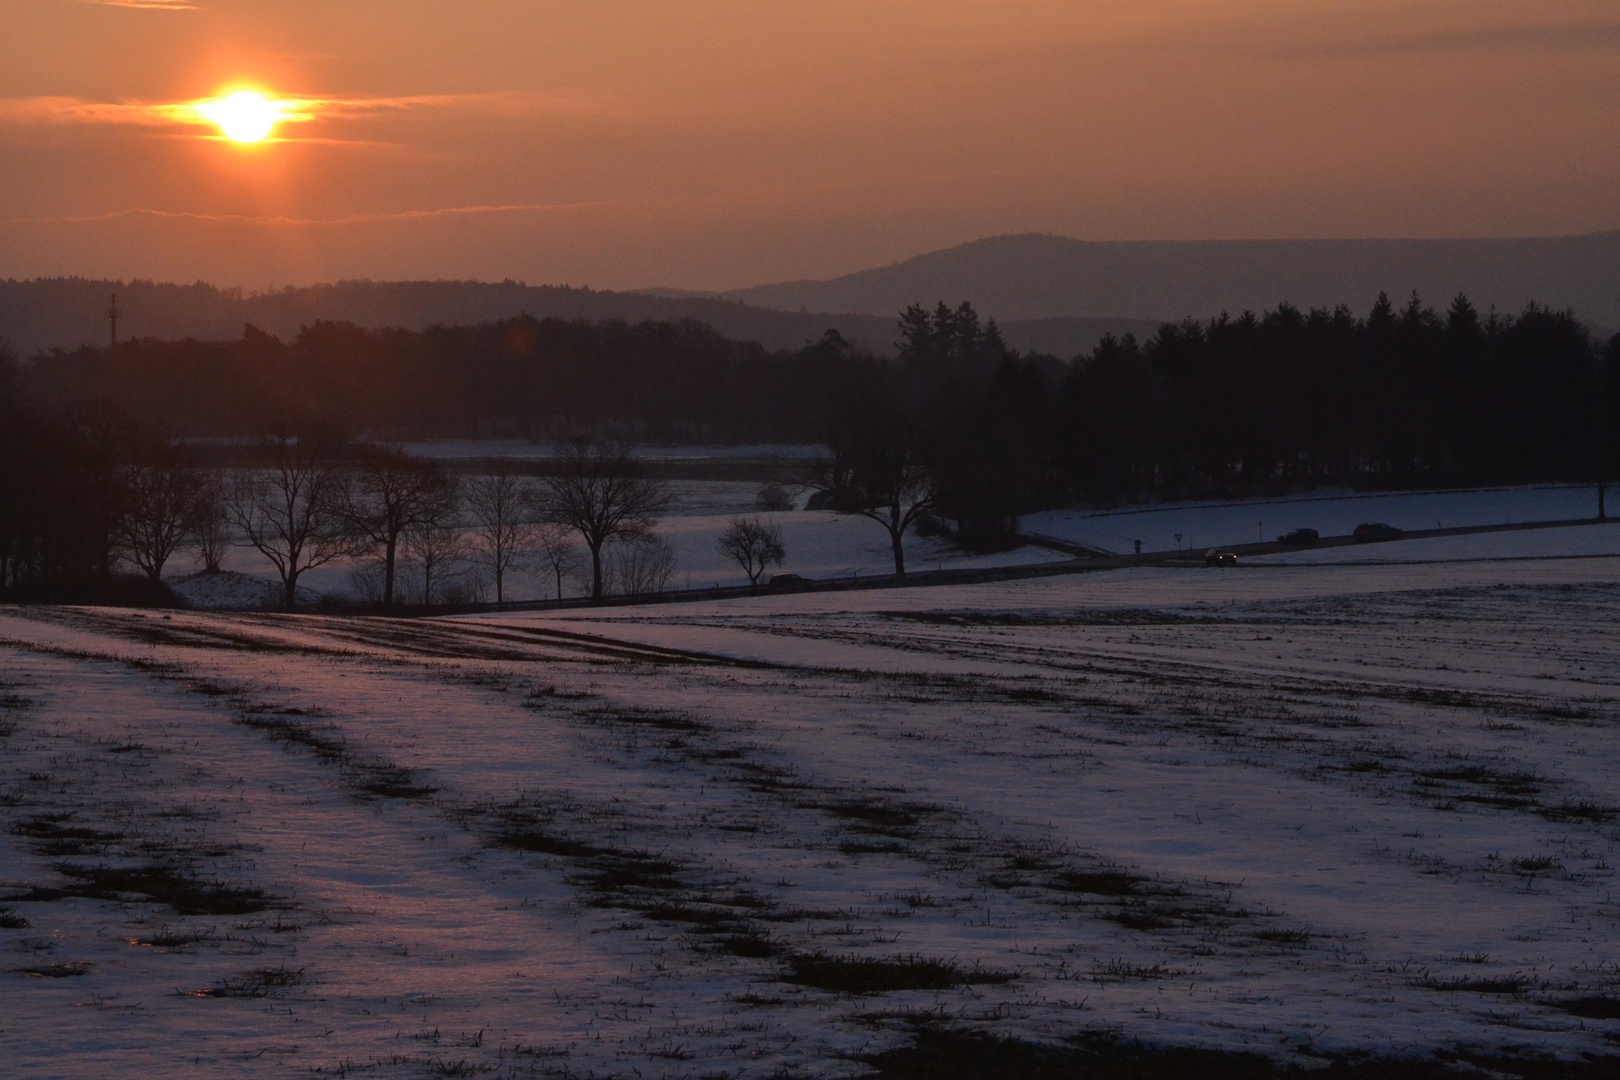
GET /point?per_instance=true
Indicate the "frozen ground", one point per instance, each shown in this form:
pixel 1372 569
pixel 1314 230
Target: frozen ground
pixel 1295 809
pixel 1204 525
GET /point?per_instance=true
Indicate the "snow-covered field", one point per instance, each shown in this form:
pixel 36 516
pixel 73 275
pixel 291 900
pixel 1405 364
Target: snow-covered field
pixel 819 544
pixel 1203 525
pixel 823 545
pixel 1291 808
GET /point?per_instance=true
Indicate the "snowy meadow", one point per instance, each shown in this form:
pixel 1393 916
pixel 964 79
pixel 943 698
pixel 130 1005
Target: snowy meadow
pixel 1304 811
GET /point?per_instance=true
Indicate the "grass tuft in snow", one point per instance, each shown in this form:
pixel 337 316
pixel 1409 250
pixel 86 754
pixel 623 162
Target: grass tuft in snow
pixel 172 939
pixel 1506 985
pixel 250 984
pixel 10 920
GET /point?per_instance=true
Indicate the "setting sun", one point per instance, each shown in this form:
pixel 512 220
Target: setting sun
pixel 245 116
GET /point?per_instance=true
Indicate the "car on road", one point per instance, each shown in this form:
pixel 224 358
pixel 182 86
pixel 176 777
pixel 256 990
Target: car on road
pixel 1300 537
pixel 789 581
pixel 1217 557
pixel 1374 531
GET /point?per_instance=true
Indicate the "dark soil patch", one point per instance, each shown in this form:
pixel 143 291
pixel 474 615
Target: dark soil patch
pixel 165 885
pixel 876 815
pixel 619 872
pixel 392 782
pixel 547 844
pixel 326 744
pixel 1579 811
pixel 1096 882
pixel 55 835
pixel 1595 1007
pixel 56 970
pixel 1140 919
pixel 752 946
pixel 873 975
pixel 947 1055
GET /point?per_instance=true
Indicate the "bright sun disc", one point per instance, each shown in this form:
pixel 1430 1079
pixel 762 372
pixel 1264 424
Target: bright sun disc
pixel 245 116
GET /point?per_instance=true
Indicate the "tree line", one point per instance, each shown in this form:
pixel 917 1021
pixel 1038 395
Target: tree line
pixel 308 499
pixel 104 458
pixel 964 435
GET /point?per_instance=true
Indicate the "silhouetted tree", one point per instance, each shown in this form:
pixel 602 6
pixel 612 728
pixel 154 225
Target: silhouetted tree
pixel 437 550
pixel 555 552
pixel 1608 423
pixel 391 492
pixel 986 448
pixel 292 509
pixel 753 544
pixel 501 509
pixel 639 564
pixel 603 495
pixel 163 500
pixel 210 532
pixel 879 470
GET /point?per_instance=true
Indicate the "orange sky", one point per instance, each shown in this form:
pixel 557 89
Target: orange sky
pixel 718 143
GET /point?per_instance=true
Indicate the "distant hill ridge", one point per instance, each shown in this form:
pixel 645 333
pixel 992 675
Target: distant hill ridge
pixel 65 313
pixel 1034 276
pixel 1049 293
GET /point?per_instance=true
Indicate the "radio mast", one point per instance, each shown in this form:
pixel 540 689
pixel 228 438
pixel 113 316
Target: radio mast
pixel 112 318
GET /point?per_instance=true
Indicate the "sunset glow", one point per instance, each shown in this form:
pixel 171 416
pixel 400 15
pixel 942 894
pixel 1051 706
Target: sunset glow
pixel 244 116
pixel 711 145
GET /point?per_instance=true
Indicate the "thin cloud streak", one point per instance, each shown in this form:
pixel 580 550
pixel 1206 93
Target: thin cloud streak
pixel 76 111
pixel 282 221
pixel 146 5
pixel 1560 37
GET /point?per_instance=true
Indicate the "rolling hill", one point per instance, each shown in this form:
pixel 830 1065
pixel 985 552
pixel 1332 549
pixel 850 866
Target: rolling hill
pixel 65 313
pixel 1034 276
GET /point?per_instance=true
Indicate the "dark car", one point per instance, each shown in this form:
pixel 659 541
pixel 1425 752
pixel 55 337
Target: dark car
pixel 1217 557
pixel 789 581
pixel 1300 537
pixel 1371 532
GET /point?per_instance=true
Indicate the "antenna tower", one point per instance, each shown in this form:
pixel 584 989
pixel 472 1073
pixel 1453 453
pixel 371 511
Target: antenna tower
pixel 112 318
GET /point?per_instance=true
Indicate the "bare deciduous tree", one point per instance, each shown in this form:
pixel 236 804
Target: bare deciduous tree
pixel 640 565
pixel 391 493
pixel 161 499
pixel 876 471
pixel 291 510
pixel 600 493
pixel 437 553
pixel 501 509
pixel 211 526
pixel 754 544
pixel 555 552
